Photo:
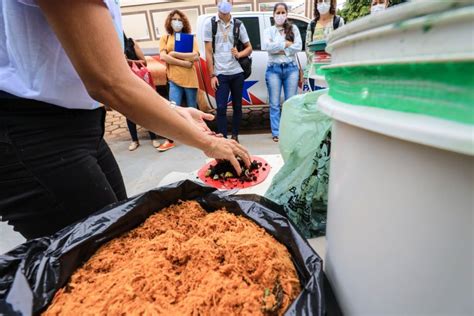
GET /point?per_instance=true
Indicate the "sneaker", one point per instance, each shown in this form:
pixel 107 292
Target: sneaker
pixel 133 146
pixel 155 143
pixel 167 145
pixel 236 138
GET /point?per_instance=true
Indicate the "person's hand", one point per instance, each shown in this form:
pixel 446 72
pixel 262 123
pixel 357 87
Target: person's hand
pixel 288 44
pixel 196 57
pixel 214 83
pixel 228 149
pixel 196 118
pixel 235 52
pixel 188 63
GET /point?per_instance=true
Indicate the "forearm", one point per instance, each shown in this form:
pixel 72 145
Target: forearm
pixel 209 60
pixel 173 61
pixel 293 49
pixel 273 47
pixel 246 52
pixel 183 56
pixel 132 97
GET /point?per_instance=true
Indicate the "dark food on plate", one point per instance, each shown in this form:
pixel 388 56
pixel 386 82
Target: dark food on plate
pixel 224 170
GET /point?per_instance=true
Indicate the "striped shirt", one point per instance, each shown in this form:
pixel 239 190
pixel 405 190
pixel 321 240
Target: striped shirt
pixel 224 62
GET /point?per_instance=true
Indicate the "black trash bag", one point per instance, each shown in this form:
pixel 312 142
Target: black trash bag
pixel 31 273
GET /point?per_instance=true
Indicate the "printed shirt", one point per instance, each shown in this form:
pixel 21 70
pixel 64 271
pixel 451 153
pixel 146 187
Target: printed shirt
pixel 224 62
pixel 33 64
pixel 320 33
pixel 274 42
pixel 182 76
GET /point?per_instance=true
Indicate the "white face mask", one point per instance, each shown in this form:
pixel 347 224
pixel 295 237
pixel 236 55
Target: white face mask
pixel 177 25
pixel 224 7
pixel 280 19
pixel 323 7
pixel 377 8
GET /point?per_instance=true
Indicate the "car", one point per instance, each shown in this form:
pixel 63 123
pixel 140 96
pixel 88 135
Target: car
pixel 255 91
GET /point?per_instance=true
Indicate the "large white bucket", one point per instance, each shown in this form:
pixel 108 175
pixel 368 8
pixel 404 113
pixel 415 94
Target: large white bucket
pixel 400 219
pixel 400 233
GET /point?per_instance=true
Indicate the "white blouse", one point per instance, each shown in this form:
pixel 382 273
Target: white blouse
pixel 274 42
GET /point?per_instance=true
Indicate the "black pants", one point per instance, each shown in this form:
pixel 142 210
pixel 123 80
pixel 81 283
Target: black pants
pixel 132 128
pixel 55 167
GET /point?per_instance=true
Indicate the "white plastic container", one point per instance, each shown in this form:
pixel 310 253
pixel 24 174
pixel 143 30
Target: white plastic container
pixel 400 234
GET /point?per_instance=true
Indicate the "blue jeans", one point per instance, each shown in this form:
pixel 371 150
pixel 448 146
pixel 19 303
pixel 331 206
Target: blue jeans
pixel 233 84
pixel 177 92
pixel 278 76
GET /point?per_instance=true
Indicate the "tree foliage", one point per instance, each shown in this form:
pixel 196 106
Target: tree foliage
pixel 354 9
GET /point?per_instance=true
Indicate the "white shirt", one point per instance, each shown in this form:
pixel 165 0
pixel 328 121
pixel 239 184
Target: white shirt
pixel 224 62
pixel 33 64
pixel 274 41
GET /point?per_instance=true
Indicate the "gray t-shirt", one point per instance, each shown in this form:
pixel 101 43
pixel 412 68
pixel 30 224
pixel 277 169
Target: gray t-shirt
pixel 224 62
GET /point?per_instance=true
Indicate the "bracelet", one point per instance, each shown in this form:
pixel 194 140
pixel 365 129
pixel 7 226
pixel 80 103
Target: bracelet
pixel 213 75
pixel 172 105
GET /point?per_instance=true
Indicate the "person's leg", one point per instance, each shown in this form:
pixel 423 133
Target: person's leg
pixel 50 176
pixel 222 98
pixel 191 96
pixel 274 84
pixel 132 128
pixel 290 81
pixel 111 170
pixel 152 135
pixel 236 87
pixel 175 95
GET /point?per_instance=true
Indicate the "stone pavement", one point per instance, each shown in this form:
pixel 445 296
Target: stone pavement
pixel 116 127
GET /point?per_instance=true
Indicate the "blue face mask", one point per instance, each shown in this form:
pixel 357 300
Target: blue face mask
pixel 224 7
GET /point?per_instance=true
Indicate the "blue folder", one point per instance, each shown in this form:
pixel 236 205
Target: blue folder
pixel 183 42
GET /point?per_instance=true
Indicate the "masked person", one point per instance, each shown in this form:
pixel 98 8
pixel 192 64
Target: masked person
pixel 59 60
pixel 181 72
pixel 378 6
pixel 282 41
pixel 325 21
pixel 226 74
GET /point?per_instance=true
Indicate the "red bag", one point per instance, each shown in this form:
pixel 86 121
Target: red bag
pixel 141 71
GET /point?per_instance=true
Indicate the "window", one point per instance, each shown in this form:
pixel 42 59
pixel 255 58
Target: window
pixel 253 30
pixel 136 26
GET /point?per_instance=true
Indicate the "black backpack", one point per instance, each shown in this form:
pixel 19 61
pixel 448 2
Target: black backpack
pixel 245 62
pixel 335 24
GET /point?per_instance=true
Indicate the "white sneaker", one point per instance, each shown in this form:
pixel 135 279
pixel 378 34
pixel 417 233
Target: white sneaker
pixel 133 146
pixel 155 143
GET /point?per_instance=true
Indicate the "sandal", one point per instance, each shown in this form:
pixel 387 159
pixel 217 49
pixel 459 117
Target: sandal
pixel 275 139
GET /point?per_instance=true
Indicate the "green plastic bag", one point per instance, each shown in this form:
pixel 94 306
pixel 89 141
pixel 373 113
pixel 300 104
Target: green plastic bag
pixel 301 185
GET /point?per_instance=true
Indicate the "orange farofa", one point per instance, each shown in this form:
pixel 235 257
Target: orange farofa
pixel 184 261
